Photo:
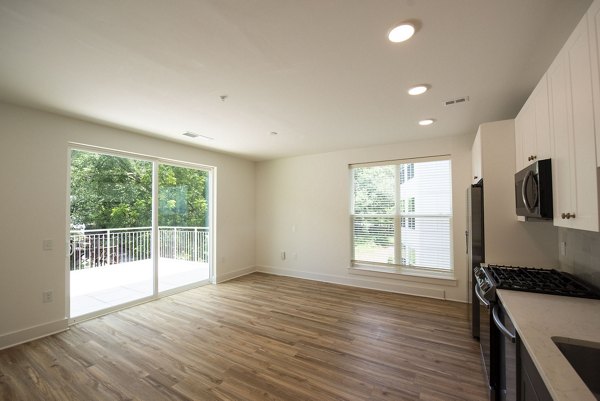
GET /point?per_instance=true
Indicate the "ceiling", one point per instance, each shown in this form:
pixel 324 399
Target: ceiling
pixel 320 73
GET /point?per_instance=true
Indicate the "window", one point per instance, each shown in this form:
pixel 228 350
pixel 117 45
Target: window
pixel 402 214
pixel 410 171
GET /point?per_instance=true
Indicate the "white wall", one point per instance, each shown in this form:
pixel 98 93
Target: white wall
pixel 508 241
pixel 33 207
pixel 303 208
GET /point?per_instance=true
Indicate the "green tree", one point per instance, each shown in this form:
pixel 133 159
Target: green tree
pixel 374 201
pixel 182 197
pixel 116 192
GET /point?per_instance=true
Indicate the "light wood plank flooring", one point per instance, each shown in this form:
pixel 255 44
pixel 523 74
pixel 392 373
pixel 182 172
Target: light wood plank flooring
pixel 259 337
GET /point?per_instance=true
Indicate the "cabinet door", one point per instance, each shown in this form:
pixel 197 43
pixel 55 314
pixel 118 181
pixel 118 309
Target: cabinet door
pixel 593 16
pixel 527 116
pixel 532 384
pixel 532 128
pixel 583 130
pixel 542 120
pixel 561 152
pixel 573 134
pixel 519 134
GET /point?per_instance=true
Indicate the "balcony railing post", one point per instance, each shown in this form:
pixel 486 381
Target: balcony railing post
pixel 175 243
pixel 108 247
pixel 195 244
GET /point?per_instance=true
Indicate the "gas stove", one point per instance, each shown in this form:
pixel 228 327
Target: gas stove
pixel 543 281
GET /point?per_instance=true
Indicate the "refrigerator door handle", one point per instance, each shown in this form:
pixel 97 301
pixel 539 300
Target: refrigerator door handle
pixel 467 241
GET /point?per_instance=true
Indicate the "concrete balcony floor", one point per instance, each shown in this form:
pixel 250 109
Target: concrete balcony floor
pixel 107 286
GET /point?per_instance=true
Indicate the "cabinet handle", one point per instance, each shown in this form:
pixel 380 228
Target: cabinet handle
pixel 474 177
pixel 529 159
pixel 567 216
pixel 563 216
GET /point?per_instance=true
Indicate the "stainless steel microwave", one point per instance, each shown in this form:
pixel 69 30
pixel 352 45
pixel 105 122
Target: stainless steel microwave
pixel 533 190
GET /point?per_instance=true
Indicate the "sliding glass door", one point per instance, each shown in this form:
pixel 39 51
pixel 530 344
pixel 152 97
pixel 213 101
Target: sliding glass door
pixel 137 228
pixel 183 226
pixel 110 242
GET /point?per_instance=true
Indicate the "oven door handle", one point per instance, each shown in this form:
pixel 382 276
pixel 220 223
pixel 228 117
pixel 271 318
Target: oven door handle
pixel 510 336
pixel 485 302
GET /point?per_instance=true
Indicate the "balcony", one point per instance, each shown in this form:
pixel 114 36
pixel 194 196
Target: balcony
pixel 110 267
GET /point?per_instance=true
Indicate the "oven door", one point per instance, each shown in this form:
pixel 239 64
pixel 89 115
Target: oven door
pixel 486 340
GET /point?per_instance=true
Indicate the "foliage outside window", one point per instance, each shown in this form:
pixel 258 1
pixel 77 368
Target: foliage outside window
pixel 402 214
pixel 115 192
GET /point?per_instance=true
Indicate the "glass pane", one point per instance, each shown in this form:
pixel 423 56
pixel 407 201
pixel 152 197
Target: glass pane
pixel 374 239
pixel 110 240
pixel 426 242
pixel 183 226
pixel 424 214
pixel 429 188
pixel 374 190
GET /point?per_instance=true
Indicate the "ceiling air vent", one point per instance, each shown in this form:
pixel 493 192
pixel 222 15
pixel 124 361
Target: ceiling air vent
pixel 194 135
pixel 458 100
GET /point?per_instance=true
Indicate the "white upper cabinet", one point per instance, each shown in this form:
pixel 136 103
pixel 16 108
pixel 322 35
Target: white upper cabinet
pixel 532 128
pixel 543 141
pixel 575 186
pixel 593 16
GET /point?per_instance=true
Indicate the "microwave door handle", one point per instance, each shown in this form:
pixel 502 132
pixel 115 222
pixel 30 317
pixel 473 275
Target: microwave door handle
pixel 524 190
pixel 481 298
pixel 510 336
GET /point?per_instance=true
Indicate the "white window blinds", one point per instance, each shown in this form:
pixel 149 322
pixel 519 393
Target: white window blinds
pixel 402 214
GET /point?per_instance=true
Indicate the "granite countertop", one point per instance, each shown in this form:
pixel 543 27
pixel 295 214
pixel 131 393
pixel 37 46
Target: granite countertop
pixel 538 318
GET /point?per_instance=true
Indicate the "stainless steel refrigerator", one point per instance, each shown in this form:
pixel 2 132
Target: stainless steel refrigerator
pixel 475 247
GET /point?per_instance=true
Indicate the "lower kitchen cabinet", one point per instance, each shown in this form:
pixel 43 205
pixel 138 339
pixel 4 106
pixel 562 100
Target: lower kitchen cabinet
pixel 532 385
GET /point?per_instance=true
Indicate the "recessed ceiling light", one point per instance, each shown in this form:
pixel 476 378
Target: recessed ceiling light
pixel 273 133
pixel 418 90
pixel 401 33
pixel 427 121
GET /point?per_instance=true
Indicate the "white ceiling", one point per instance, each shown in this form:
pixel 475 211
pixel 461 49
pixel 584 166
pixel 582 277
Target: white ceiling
pixel 321 73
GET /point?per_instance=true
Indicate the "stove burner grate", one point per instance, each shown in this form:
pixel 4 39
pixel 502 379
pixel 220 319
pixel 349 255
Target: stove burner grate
pixel 543 281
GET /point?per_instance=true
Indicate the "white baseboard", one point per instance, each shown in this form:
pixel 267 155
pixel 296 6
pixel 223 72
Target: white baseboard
pixel 234 274
pixel 32 333
pixel 357 282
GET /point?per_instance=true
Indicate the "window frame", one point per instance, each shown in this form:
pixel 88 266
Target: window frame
pixel 399 217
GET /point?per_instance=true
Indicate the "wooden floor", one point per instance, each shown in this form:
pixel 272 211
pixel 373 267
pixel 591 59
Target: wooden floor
pixel 259 337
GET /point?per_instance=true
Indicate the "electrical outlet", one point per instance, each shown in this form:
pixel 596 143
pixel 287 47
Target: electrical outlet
pixel 563 248
pixel 48 296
